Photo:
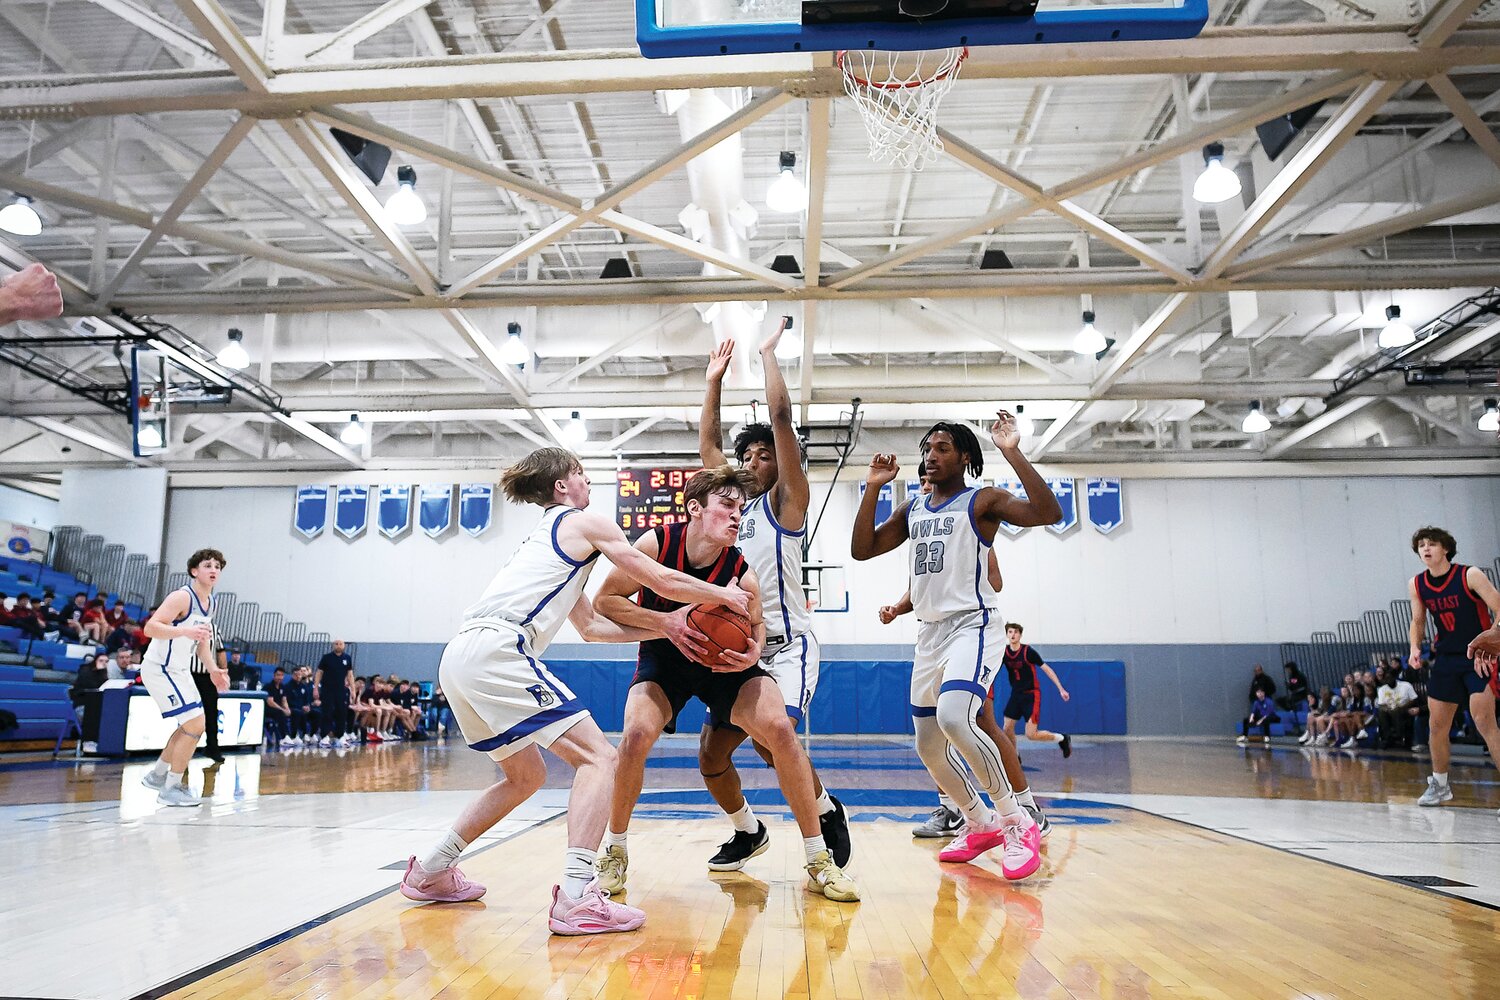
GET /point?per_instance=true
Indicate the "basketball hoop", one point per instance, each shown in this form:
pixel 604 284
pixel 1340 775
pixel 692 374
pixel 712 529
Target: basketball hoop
pixel 897 94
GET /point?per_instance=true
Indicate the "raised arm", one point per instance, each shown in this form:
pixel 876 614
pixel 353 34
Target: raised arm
pixel 870 541
pixel 1418 630
pixel 603 534
pixel 710 436
pixel 995 505
pixel 792 491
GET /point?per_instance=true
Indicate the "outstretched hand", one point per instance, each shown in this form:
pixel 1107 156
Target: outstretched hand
pixel 768 346
pixel 1004 432
pixel 718 361
pixel 883 469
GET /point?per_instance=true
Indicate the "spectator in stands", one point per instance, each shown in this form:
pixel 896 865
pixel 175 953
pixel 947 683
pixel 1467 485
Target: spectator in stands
pixel 1332 732
pixel 1395 700
pixel 116 616
pixel 1262 714
pixel 242 676
pixel 407 698
pixel 1360 714
pixel 442 714
pixel 304 722
pixel 278 711
pixel 1261 685
pixel 91 676
pixel 27 618
pixel 369 717
pixel 94 624
pixel 1296 688
pixel 1319 714
pixel 122 666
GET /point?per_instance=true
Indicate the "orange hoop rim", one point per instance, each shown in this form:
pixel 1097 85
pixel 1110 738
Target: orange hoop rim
pixel 906 85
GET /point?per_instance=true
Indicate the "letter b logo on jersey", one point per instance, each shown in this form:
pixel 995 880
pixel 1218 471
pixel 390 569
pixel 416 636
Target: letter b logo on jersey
pixel 542 695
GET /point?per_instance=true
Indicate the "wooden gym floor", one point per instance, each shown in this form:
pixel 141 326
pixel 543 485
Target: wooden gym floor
pixel 1174 869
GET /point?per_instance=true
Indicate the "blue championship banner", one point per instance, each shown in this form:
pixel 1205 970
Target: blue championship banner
pixel 1067 499
pixel 393 510
pixel 1106 504
pixel 435 509
pixel 351 510
pixel 1015 489
pixel 885 503
pixel 310 511
pixel 476 507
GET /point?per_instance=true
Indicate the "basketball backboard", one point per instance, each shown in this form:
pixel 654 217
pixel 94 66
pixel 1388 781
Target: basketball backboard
pixel 669 28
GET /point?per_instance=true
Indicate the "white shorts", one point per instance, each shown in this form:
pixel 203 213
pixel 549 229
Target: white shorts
pixel 959 653
pixel 794 665
pixel 171 687
pixel 504 698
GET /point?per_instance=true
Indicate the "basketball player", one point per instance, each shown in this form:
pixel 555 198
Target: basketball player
pixel 1025 702
pixel 958 647
pixel 946 820
pixel 180 629
pixel 670 671
pixel 772 528
pixel 1464 604
pixel 509 704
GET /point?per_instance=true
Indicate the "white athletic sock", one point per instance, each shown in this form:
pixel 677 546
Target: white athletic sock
pixel 744 820
pixel 579 871
pixel 1442 778
pixel 1050 738
pixel 444 854
pixel 1009 807
pixel 979 816
pixel 161 769
pixel 825 803
pixel 946 801
pixel 1026 799
pixel 612 839
pixel 813 846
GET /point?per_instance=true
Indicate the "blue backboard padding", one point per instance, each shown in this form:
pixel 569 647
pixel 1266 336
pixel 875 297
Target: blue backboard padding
pixel 1092 24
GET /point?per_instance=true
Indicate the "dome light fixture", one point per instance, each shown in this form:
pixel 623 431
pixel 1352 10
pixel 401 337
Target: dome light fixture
pixel 354 433
pixel 1217 183
pixel 786 193
pixel 20 219
pixel 1025 426
pixel 1490 421
pixel 575 433
pixel 405 207
pixel 1089 340
pixel 1255 421
pixel 1396 332
pixel 149 436
pixel 234 356
pixel 513 351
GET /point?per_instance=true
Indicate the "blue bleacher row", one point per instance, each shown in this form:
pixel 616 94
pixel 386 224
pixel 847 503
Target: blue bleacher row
pixel 31 578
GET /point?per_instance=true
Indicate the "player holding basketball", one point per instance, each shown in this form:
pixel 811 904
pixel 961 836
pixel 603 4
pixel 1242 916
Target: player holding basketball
pixel 958 642
pixel 182 628
pixel 737 688
pixel 1025 701
pixel 1464 605
pixel 771 532
pixel 946 820
pixel 509 705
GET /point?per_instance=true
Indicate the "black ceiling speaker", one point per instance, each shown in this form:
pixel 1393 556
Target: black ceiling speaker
pixel 370 157
pixel 995 260
pixel 616 267
pixel 785 263
pixel 1277 134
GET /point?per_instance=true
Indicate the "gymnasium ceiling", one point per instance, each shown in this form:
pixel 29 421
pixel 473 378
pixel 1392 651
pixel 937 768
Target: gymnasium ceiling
pixel 180 156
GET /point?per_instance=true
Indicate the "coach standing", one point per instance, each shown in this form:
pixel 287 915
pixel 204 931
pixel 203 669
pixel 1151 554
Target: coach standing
pixel 335 688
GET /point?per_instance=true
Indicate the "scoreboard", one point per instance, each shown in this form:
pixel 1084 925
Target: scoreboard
pixel 648 496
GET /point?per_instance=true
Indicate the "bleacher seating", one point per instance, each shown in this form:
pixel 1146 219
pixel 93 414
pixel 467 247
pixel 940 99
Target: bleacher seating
pixel 41 709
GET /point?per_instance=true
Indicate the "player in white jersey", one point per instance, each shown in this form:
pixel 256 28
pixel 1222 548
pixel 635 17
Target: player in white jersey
pixel 180 630
pixel 959 641
pixel 509 704
pixel 772 528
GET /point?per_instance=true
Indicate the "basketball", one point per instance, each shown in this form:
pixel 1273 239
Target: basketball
pixel 725 631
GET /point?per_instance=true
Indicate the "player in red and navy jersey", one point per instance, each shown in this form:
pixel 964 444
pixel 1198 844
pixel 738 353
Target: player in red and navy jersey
pixel 1025 702
pixel 1464 606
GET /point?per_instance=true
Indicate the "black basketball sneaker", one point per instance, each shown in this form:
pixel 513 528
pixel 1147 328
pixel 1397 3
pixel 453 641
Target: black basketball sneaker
pixel 1067 745
pixel 835 824
pixel 740 848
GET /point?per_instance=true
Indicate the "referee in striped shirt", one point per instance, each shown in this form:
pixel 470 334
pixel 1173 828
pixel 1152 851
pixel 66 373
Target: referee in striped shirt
pixel 210 697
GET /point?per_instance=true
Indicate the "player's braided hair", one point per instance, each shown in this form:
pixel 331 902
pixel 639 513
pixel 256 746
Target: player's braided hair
pixel 964 440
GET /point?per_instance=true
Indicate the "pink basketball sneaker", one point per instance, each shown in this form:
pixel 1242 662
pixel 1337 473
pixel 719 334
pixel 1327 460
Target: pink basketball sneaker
pixel 970 844
pixel 1023 847
pixel 446 886
pixel 591 913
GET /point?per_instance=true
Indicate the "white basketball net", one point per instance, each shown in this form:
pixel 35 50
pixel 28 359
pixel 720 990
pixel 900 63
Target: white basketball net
pixel 897 94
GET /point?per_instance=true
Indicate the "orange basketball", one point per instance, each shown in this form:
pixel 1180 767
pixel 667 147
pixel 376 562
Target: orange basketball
pixel 725 630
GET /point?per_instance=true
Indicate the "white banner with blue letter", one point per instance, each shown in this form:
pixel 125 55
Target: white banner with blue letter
pixel 393 510
pixel 310 511
pixel 1106 504
pixel 885 502
pixel 24 543
pixel 435 509
pixel 1015 489
pixel 1067 499
pixel 476 507
pixel 351 510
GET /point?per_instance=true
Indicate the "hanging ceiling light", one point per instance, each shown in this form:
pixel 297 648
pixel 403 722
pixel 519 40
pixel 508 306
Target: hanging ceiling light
pixel 1089 339
pixel 1396 332
pixel 513 351
pixel 575 433
pixel 354 433
pixel 1025 426
pixel 1255 421
pixel 234 356
pixel 20 218
pixel 1217 182
pixel 149 436
pixel 405 206
pixel 1490 421
pixel 786 193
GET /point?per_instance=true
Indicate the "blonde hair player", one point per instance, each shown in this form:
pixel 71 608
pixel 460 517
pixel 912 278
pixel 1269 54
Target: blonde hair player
pixel 509 704
pixel 958 641
pixel 182 628
pixel 772 530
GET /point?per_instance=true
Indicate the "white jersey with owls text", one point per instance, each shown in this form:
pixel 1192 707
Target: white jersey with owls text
pixel 948 571
pixel 537 588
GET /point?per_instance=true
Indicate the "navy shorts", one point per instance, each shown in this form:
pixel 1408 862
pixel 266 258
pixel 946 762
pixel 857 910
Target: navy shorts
pixel 1024 704
pixel 681 680
pixel 1452 679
